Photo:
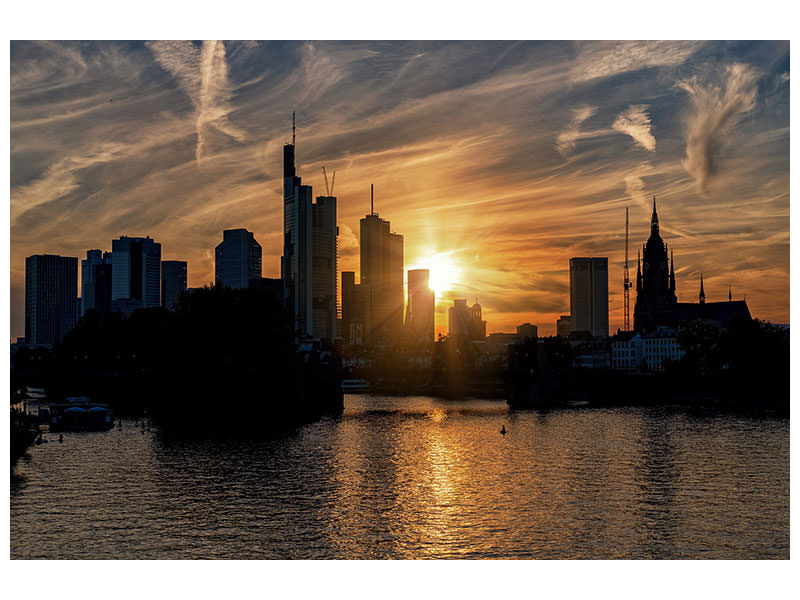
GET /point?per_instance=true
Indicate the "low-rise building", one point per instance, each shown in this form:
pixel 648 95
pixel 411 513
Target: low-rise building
pixel 626 351
pixel 660 346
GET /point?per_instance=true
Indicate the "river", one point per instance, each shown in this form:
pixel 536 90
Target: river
pixel 418 478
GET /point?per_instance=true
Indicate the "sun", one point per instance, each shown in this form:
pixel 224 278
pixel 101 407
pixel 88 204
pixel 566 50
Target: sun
pixel 444 273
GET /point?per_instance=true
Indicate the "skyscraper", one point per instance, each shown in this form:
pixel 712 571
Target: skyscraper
pixel 588 295
pixel 237 259
pixel 90 298
pixel 136 272
pixel 308 264
pixel 382 278
pixel 323 267
pixel 51 297
pixel 420 308
pixel 173 282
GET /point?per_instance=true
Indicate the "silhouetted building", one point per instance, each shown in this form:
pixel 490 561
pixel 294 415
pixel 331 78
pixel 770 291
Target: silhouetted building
pixel 308 264
pixel 271 285
pixel 420 308
pixel 324 232
pixel 90 298
pixel 353 309
pixel 591 353
pixel 656 302
pixel 237 259
pixel 563 326
pixel 51 297
pixel 466 322
pixel 136 271
pixel 588 295
pixel 173 282
pixel 96 281
pixel 381 280
pixel 526 330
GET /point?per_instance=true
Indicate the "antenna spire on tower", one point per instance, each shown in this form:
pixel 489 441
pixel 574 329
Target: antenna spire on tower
pixel 372 198
pixel 292 127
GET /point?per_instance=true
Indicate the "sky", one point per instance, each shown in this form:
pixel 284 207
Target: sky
pixel 498 160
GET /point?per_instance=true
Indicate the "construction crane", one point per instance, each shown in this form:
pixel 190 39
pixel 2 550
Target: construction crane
pixel 329 190
pixel 627 283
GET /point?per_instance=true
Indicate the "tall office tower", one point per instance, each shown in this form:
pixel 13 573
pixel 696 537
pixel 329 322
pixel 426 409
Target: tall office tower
pixel 237 259
pixel 382 278
pixel 296 262
pixel 89 265
pixel 324 233
pixel 173 282
pixel 588 295
pixel 51 297
pixel 136 272
pixel 466 321
pixel 420 308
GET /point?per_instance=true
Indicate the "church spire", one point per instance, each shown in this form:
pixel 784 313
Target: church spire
pixel 638 271
pixel 671 271
pixel 654 220
pixel 702 292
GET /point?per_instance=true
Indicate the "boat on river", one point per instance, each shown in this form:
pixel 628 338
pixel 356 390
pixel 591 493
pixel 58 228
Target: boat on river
pixel 80 414
pixel 355 386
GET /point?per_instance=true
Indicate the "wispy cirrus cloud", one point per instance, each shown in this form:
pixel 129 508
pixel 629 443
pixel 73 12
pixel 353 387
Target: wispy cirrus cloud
pixel 202 74
pixel 606 59
pixel 716 109
pixel 568 138
pixel 635 122
pixel 457 137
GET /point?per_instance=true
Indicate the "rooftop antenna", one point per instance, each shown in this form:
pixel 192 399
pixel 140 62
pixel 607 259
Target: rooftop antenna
pixel 292 127
pixel 627 282
pixel 372 198
pixel 325 175
pixel 333 181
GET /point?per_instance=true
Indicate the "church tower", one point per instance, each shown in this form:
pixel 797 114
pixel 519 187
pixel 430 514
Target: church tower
pixel 655 282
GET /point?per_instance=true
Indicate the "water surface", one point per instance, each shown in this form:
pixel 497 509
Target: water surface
pixel 417 478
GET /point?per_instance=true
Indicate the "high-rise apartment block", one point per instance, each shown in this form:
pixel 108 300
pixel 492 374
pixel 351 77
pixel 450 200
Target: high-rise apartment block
pixel 308 264
pixel 420 308
pixel 588 295
pixel 382 280
pixel 237 259
pixel 173 282
pixel 96 281
pixel 135 273
pixel 51 297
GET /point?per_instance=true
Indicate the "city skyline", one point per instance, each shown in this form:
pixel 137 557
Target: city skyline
pixel 180 141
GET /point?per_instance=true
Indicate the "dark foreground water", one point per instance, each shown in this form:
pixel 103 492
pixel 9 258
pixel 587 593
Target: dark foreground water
pixel 417 478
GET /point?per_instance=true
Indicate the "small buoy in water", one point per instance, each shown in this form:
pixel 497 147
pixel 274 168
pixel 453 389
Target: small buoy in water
pixel 503 430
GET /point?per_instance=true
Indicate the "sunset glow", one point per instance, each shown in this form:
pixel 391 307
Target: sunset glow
pixel 497 161
pixel 444 273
